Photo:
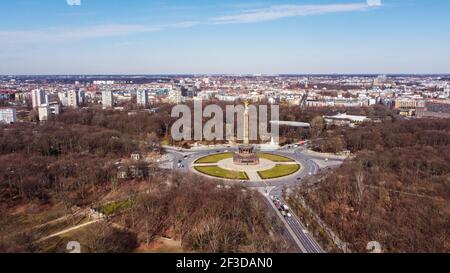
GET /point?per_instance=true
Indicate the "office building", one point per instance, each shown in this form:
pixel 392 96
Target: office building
pixel 44 112
pixel 73 99
pixel 38 97
pixel 81 97
pixel 142 97
pixel 8 115
pixel 55 108
pixel 107 99
pixel 175 96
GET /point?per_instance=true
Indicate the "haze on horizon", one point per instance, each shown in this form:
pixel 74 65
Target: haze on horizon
pixel 224 37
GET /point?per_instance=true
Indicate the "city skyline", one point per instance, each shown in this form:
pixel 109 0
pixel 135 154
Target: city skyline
pixel 236 37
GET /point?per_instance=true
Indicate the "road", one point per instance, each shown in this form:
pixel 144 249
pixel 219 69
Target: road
pixel 183 160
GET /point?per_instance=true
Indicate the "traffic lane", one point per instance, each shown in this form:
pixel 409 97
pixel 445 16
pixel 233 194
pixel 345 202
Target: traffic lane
pixel 286 233
pixel 313 242
pixel 304 238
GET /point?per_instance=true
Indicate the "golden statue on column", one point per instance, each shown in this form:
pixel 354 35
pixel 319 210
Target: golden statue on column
pixel 246 154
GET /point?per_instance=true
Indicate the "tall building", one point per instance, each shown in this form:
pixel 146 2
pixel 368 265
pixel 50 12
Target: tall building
pixel 38 97
pixel 73 99
pixel 175 96
pixel 55 108
pixel 8 115
pixel 44 112
pixel 142 97
pixel 107 99
pixel 81 97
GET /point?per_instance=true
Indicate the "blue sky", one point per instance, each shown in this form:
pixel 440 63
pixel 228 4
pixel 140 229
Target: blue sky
pixel 233 37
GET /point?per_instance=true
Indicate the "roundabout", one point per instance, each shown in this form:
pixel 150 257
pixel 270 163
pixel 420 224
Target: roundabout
pixel 205 161
pixel 269 166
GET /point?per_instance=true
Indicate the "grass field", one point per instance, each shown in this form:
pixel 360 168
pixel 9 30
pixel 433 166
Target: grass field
pixel 221 173
pixel 275 158
pixel 214 158
pixel 116 207
pixel 279 171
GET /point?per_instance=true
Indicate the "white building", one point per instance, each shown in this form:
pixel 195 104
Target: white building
pixel 38 97
pixel 55 108
pixel 44 112
pixel 8 115
pixel 142 97
pixel 344 119
pixel 107 99
pixel 81 97
pixel 104 82
pixel 175 96
pixel 62 95
pixel 73 98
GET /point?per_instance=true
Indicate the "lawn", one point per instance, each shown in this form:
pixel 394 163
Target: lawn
pixel 214 158
pixel 275 158
pixel 221 173
pixel 279 171
pixel 116 207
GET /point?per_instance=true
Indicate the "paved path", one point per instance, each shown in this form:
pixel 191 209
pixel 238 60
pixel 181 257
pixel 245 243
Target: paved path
pixel 69 230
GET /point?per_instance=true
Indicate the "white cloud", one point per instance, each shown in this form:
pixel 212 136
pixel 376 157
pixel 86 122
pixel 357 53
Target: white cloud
pixel 374 3
pixel 283 11
pixel 74 2
pixel 67 34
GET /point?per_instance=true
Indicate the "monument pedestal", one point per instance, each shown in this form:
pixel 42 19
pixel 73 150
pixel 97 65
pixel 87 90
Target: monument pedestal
pixel 246 156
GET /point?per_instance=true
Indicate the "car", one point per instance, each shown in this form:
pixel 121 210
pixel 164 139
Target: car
pixel 179 161
pixel 185 156
pixel 310 173
pixel 289 215
pixel 299 178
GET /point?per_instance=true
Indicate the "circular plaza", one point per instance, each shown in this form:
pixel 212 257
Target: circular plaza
pixel 224 166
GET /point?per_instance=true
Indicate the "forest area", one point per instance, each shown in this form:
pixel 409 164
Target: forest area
pixel 396 189
pixel 48 169
pixel 156 126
